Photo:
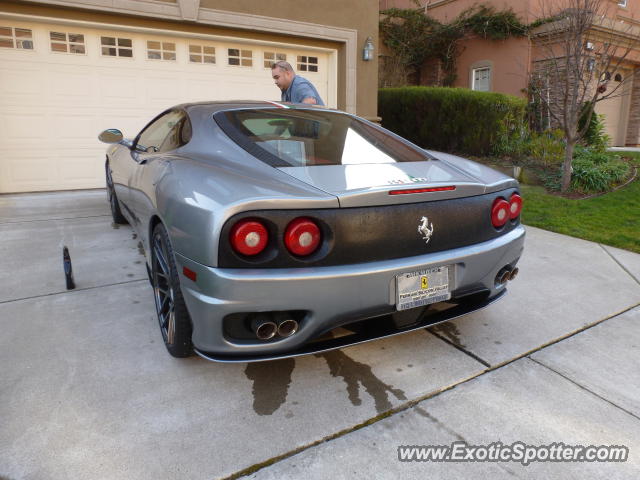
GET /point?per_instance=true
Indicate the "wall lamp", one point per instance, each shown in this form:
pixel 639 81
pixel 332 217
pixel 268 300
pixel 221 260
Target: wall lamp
pixel 367 51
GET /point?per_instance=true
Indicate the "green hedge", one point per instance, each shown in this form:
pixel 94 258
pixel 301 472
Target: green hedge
pixel 452 119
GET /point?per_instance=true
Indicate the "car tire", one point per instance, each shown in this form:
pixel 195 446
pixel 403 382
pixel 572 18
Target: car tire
pixel 116 213
pixel 173 317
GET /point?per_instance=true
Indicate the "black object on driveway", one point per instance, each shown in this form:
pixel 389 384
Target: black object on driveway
pixel 68 269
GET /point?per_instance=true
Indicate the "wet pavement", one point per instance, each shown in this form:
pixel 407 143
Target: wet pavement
pixel 90 392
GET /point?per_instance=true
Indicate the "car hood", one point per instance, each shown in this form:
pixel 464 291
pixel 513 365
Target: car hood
pixel 372 184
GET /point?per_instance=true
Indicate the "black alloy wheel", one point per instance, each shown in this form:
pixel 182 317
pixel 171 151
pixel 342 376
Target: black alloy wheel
pixel 116 213
pixel 173 317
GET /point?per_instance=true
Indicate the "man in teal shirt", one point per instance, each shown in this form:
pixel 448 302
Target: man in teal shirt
pixel 295 89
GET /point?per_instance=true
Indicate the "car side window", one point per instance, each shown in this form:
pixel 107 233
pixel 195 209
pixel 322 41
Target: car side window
pixel 153 136
pixel 179 135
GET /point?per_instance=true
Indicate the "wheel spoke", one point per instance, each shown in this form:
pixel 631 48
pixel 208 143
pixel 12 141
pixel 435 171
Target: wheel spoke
pixel 162 262
pixel 163 290
pixel 171 327
pixel 163 321
pixel 166 302
pixel 161 274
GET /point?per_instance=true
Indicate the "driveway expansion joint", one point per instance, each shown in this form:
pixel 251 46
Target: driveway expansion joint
pixel 619 264
pixel 579 385
pixel 460 347
pixel 51 219
pixel 64 292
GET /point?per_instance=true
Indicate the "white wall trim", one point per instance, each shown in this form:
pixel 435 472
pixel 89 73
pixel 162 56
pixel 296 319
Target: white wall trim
pixel 184 10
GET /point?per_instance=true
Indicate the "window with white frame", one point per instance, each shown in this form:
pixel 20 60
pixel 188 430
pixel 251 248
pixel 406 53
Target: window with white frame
pixel 622 3
pixel 243 58
pixel 67 42
pixel 481 79
pixel 157 50
pixel 116 47
pixel 11 37
pixel 307 64
pixel 202 54
pixel 272 57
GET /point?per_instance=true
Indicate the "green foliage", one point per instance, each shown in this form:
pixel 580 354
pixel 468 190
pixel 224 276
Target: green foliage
pixel 547 148
pixel 488 23
pixel 544 149
pixel 595 135
pixel 594 171
pixel 451 119
pixel 408 32
pixel 414 37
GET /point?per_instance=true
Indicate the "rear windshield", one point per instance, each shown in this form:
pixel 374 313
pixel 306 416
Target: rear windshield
pixel 289 137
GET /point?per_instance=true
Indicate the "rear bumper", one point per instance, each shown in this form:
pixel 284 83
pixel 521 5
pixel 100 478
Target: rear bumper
pixel 332 296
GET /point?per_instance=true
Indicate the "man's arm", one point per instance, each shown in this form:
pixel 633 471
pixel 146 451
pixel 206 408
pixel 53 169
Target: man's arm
pixel 304 94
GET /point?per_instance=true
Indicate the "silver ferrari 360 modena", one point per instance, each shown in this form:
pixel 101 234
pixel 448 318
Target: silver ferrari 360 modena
pixel 273 230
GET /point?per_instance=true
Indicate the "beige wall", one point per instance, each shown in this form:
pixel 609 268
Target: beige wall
pixel 359 15
pixel 527 10
pixel 509 61
pixel 447 10
pixel 384 4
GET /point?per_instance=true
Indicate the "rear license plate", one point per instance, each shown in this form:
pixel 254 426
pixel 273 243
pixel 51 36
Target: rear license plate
pixel 415 289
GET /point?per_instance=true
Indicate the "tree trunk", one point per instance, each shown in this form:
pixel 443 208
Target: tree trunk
pixel 566 165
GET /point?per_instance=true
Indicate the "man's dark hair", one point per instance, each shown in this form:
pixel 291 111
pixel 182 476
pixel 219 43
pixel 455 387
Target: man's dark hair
pixel 283 65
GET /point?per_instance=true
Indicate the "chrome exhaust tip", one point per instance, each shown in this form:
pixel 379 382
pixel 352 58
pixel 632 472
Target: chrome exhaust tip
pixel 287 327
pixel 514 273
pixel 263 327
pixel 505 276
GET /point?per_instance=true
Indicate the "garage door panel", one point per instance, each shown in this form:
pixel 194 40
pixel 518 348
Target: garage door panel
pixel 163 89
pixel 75 86
pixel 21 126
pixel 30 172
pixel 78 166
pixel 71 127
pixel 200 89
pixel 117 89
pixel 20 85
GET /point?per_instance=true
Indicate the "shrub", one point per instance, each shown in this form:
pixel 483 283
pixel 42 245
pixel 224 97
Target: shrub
pixel 596 171
pixel 595 136
pixel 451 119
pixel 547 148
pixel 544 149
pixel 593 171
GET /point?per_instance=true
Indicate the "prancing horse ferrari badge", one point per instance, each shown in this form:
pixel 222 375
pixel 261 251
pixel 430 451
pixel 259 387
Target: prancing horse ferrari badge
pixel 425 229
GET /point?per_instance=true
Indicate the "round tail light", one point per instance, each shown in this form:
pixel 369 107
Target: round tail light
pixel 249 237
pixel 302 236
pixel 515 206
pixel 500 212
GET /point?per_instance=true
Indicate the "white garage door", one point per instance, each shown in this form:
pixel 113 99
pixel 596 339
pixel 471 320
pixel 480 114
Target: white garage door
pixel 61 85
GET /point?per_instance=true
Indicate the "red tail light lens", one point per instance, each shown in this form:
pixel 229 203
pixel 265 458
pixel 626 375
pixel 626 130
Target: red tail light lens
pixel 302 236
pixel 499 212
pixel 249 237
pixel 515 206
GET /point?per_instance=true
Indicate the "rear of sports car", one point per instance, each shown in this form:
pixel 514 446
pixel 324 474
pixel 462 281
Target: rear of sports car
pixel 415 238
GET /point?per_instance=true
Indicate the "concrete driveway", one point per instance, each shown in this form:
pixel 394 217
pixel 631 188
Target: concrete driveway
pixel 88 390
